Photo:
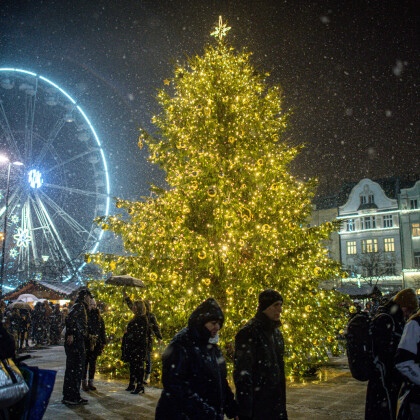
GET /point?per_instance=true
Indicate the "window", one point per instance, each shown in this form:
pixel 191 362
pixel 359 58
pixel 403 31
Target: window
pixel 369 245
pixel 415 229
pixel 350 225
pixel 371 198
pixel 389 245
pixel 368 222
pixel 362 199
pixel 413 204
pixel 417 260
pixel 390 269
pixel 388 220
pixel 351 248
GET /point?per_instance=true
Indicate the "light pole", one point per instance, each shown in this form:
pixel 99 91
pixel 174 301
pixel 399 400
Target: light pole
pixel 4 159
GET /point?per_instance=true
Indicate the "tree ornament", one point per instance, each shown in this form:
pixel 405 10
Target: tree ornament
pixel 211 192
pixel 202 255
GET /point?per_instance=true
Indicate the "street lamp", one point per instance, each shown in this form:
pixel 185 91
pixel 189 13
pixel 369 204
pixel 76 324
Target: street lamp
pixel 5 159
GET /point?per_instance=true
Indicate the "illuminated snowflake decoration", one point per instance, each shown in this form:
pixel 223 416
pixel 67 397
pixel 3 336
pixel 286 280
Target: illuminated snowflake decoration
pixel 22 237
pixel 14 253
pixel 15 218
pixel 38 276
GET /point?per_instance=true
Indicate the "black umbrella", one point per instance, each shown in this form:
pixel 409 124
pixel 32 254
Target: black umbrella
pixel 125 280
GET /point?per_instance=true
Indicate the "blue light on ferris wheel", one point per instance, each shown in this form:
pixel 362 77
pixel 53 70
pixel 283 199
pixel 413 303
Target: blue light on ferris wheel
pixel 35 178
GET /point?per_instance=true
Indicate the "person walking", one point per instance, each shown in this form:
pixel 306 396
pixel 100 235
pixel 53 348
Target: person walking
pixel 383 387
pixel 24 325
pixel 96 344
pixel 258 362
pixel 74 345
pixel 152 331
pixel 194 371
pixel 136 344
pixel 407 361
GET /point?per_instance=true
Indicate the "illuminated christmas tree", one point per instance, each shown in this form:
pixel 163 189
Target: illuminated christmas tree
pixel 233 221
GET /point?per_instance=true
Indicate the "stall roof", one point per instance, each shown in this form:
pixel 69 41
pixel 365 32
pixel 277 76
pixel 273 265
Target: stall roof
pixel 41 290
pixel 361 292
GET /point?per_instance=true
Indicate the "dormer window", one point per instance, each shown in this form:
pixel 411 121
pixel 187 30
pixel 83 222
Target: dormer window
pixel 362 199
pixel 371 198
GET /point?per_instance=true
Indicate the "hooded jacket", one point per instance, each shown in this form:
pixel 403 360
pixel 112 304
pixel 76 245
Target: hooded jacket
pixel 194 372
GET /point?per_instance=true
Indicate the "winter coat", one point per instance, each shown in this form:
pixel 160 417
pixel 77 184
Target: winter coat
pixel 407 362
pixel 194 373
pixel 96 331
pixel 135 339
pixel 259 370
pixel 383 388
pixel 7 344
pixel 76 324
pixel 153 331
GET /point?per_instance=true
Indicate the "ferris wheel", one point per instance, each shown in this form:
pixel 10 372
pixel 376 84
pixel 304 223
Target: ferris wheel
pixel 61 187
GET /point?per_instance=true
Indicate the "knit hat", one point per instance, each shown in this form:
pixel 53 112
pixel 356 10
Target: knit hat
pixel 267 298
pixel 407 298
pixel 209 310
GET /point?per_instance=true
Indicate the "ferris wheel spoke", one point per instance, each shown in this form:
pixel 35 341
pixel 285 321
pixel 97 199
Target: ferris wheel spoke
pixel 77 191
pixel 61 248
pixel 52 244
pixel 50 140
pixel 30 106
pixel 4 122
pixel 79 156
pixel 74 224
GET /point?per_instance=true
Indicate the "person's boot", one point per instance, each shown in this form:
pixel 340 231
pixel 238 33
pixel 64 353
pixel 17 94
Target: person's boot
pixel 130 386
pixel 139 389
pixel 91 386
pixel 146 379
pixel 85 386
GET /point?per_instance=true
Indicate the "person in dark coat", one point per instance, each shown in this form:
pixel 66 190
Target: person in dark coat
pixel 55 325
pixel 74 345
pixel 136 344
pixel 258 363
pixel 24 325
pixel 96 344
pixel 194 371
pixel 407 362
pixel 388 324
pixel 38 324
pixel 153 331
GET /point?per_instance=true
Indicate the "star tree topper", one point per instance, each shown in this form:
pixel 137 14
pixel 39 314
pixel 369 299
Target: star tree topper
pixel 221 30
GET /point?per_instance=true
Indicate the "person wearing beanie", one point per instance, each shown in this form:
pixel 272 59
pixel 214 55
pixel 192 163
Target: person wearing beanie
pixel 258 364
pixel 387 328
pixel 407 362
pixel 74 345
pixel 136 344
pixel 194 371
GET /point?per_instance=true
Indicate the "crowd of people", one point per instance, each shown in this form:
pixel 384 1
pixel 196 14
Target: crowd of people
pixel 41 325
pixel 194 374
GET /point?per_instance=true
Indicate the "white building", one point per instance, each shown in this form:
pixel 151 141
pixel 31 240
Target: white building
pixel 370 240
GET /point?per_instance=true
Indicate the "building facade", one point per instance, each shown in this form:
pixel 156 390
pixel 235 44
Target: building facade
pixel 378 242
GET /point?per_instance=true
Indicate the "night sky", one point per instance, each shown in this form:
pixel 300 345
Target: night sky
pixel 349 71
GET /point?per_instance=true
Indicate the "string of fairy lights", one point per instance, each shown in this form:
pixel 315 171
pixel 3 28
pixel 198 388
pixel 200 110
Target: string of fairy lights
pixel 234 220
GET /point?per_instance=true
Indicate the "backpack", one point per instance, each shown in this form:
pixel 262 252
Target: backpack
pixel 363 362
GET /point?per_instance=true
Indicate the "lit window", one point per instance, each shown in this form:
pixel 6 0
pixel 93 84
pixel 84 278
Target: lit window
pixel 415 229
pixel 413 204
pixel 369 245
pixel 351 248
pixel 368 222
pixel 350 225
pixel 417 259
pixel 388 220
pixel 389 245
pixel 390 268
